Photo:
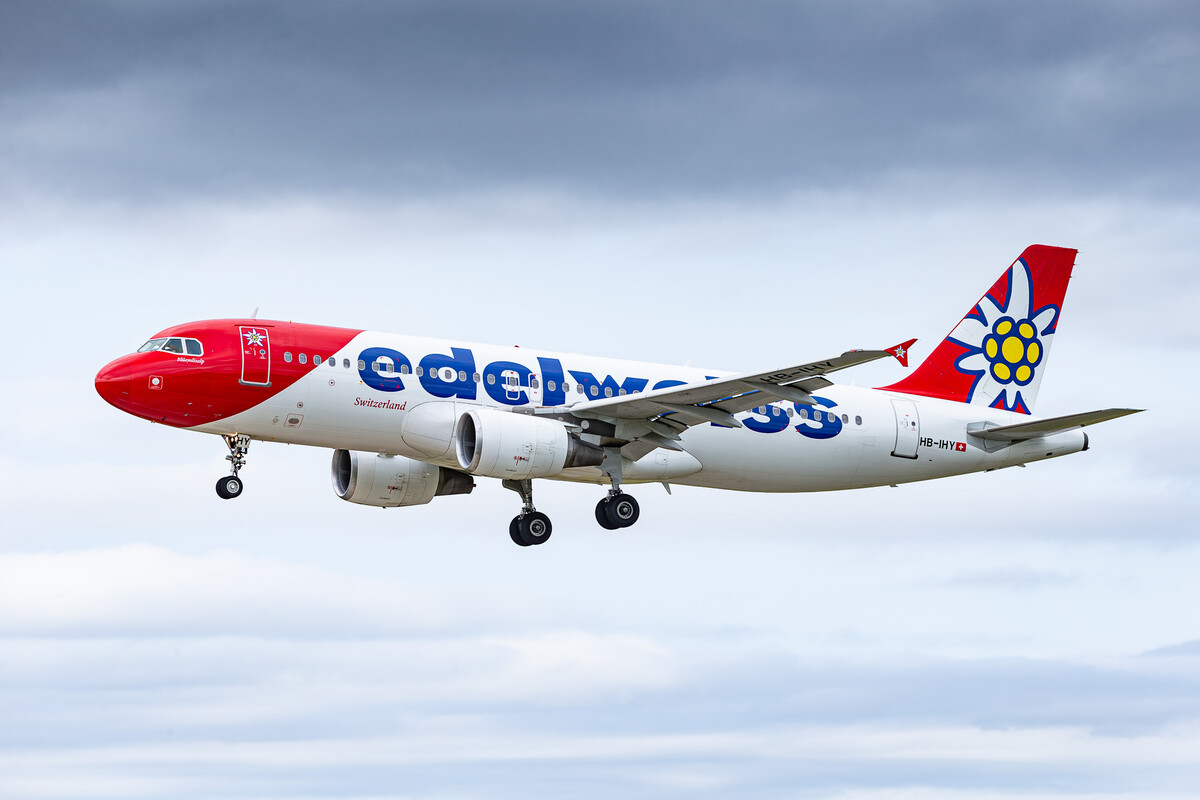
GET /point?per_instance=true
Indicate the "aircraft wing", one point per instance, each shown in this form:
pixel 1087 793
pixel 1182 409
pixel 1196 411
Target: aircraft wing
pixel 1045 427
pixel 657 417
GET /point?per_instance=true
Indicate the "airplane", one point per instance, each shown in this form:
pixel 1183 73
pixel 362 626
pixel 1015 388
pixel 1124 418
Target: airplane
pixel 411 418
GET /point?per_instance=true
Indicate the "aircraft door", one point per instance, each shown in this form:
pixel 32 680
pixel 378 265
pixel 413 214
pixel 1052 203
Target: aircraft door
pixel 256 355
pixel 908 429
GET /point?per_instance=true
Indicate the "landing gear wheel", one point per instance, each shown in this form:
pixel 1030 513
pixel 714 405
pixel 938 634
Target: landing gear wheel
pixel 229 487
pixel 514 532
pixel 602 515
pixel 534 527
pixel 621 511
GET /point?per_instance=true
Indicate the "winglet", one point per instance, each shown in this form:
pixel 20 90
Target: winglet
pixel 900 351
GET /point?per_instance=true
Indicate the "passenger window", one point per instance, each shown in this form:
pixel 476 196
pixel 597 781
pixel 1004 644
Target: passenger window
pixel 287 356
pixel 173 346
pixel 361 364
pixel 579 388
pixel 462 375
pixel 194 348
pixel 608 391
pixel 845 419
pixel 533 383
pixel 620 392
pixel 475 377
pixel 374 366
pixel 390 367
pixel 491 380
pixel 316 361
pixel 405 369
pixel 804 413
pixel 595 390
pixel 303 358
pixel 420 371
pixel 857 420
pixel 550 385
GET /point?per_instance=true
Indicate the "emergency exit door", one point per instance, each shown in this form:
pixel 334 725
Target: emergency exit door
pixel 908 429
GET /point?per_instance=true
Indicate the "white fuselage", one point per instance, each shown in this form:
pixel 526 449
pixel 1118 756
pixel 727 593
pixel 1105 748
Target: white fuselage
pixel 852 438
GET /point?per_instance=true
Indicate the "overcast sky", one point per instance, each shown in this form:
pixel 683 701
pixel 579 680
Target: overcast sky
pixel 741 186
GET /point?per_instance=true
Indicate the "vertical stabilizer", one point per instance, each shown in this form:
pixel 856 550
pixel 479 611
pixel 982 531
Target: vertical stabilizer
pixel 997 355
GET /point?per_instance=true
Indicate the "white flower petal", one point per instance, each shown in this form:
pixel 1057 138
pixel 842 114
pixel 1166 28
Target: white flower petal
pixel 976 362
pixel 1043 319
pixel 970 332
pixel 1020 292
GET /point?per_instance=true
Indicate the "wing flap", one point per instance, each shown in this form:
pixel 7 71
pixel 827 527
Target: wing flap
pixel 1045 427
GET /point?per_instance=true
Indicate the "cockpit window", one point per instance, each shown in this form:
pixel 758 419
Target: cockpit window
pixel 174 344
pixel 153 344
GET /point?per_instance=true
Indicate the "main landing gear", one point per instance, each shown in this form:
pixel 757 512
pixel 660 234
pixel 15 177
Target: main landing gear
pixel 230 486
pixel 617 510
pixel 530 527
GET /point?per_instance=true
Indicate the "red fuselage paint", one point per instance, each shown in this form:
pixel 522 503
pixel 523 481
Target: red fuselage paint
pixel 185 390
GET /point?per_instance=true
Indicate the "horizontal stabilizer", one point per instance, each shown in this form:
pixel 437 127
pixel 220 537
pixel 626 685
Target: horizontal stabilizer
pixel 1045 427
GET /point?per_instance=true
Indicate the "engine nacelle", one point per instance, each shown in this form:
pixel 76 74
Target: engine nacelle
pixel 503 444
pixel 390 481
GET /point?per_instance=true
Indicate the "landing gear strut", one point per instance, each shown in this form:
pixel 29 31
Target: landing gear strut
pixel 230 486
pixel 530 527
pixel 617 510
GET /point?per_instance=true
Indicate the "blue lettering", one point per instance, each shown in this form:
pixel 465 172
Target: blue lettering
pixel 668 382
pixel 383 380
pixel 776 419
pixel 498 389
pixel 552 382
pixel 594 388
pixel 821 422
pixel 461 384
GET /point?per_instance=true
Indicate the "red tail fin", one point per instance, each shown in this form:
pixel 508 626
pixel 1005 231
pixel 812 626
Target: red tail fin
pixel 997 355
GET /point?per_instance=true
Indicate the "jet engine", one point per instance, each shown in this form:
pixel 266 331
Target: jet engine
pixel 390 481
pixel 503 444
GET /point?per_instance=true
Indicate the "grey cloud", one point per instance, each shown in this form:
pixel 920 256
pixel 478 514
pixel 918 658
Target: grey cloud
pixel 624 98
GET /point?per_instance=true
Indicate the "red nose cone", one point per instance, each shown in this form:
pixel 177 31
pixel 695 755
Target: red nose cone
pixel 113 382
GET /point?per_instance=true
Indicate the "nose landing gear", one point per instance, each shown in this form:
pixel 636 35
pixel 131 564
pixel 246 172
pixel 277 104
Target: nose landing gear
pixel 231 485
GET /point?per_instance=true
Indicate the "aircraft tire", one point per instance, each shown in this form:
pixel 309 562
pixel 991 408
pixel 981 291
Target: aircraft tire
pixel 229 487
pixel 622 511
pixel 602 515
pixel 534 528
pixel 514 532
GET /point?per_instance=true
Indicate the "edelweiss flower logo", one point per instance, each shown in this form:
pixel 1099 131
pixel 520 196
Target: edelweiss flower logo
pixel 1005 344
pixel 1013 350
pixel 253 337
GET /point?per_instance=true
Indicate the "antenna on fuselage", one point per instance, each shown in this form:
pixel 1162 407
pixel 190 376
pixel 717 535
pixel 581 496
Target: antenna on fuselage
pixel 255 314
